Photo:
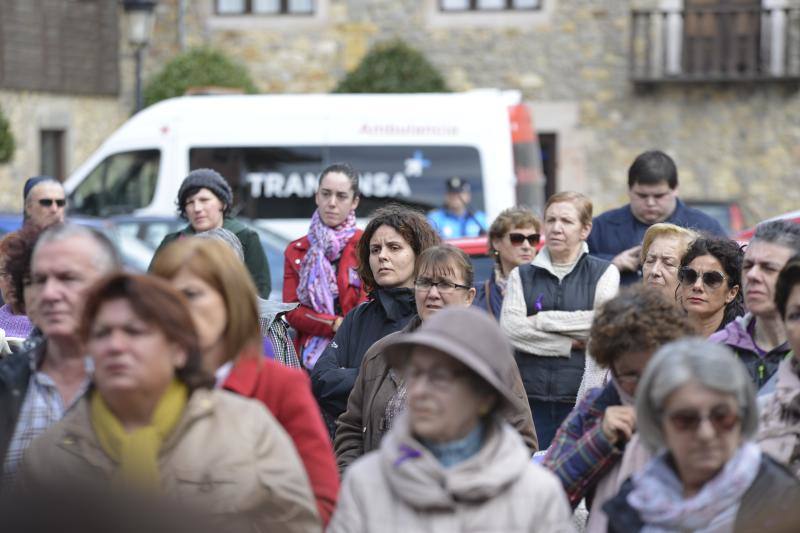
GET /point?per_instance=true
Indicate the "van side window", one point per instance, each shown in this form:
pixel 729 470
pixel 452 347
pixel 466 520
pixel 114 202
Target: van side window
pixel 119 184
pixel 280 181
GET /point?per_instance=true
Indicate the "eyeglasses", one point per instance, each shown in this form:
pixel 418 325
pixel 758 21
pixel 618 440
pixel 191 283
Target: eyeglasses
pixel 47 202
pixel 722 418
pixel 425 284
pixel 711 279
pixel 628 378
pixel 518 238
pixel 439 377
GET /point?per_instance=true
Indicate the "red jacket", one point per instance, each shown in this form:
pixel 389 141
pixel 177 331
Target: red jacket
pixel 305 320
pixel 287 394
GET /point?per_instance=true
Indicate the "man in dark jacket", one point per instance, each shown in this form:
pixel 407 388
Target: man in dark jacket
pixel 759 337
pixel 653 191
pixel 40 383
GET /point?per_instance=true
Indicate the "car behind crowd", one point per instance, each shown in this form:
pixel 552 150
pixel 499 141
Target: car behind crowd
pixel 744 236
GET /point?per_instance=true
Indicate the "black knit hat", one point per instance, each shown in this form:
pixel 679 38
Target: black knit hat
pixel 205 178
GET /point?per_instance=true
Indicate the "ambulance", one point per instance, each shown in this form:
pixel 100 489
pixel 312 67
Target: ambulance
pixel 271 149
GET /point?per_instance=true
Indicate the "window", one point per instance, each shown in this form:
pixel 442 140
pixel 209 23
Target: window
pixel 265 7
pixel 489 5
pixel 280 182
pixel 121 183
pixel 51 153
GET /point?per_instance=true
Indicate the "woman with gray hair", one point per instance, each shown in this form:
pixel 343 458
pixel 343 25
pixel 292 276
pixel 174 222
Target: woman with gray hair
pixel 451 462
pixel 696 408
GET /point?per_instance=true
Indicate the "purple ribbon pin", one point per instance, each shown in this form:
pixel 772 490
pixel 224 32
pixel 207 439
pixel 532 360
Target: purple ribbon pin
pixel 406 453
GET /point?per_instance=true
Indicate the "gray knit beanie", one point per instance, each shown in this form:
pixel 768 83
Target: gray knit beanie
pixel 205 178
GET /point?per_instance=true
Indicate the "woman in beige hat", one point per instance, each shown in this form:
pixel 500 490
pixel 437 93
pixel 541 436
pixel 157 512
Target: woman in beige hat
pixel 450 461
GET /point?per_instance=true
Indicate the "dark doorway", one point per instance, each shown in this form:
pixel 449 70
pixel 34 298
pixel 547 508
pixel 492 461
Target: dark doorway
pixel 549 145
pixel 51 153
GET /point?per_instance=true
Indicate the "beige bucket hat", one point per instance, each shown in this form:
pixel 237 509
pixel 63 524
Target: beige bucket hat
pixel 469 336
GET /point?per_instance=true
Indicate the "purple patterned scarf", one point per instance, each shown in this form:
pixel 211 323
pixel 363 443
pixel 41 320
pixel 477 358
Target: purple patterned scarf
pixel 318 288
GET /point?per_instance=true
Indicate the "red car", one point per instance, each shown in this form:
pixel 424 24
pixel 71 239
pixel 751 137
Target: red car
pixel 477 248
pixel 745 235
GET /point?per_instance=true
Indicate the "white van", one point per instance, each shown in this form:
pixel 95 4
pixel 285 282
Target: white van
pixel 271 148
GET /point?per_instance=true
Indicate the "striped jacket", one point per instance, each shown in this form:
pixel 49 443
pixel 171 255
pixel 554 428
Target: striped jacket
pixel 580 454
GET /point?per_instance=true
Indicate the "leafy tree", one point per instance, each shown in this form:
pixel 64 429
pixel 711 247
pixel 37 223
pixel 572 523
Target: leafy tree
pixel 6 140
pixel 198 67
pixel 393 67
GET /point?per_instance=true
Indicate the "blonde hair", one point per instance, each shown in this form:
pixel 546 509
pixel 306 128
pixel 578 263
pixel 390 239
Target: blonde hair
pixel 216 263
pixel 665 229
pixel 580 201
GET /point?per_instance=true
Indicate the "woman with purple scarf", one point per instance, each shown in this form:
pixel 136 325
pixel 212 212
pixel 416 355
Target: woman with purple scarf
pixel 321 268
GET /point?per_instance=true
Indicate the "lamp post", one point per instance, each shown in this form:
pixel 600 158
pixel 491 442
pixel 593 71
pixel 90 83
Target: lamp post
pixel 140 27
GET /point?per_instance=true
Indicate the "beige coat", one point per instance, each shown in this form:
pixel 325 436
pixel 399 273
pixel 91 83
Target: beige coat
pixel 779 419
pixel 401 488
pixel 227 455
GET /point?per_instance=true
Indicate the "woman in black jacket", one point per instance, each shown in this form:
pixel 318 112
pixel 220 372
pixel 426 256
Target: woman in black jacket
pixel 387 252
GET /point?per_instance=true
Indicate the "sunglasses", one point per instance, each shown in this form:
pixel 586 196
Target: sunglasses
pixel 518 238
pixel 47 202
pixel 711 279
pixel 722 419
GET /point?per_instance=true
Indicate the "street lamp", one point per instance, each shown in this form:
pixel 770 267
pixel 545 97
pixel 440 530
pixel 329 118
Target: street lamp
pixel 140 27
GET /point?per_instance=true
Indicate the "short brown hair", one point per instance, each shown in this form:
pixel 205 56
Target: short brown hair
pixel 158 304
pixel 787 279
pixel 637 319
pixel 411 225
pixel 444 259
pixel 216 263
pixel 580 201
pixel 16 253
pixel 513 217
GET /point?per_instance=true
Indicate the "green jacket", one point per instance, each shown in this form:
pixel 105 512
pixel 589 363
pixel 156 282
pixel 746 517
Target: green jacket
pixel 254 258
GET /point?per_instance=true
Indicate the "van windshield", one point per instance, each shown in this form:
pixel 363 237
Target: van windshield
pixel 280 182
pixel 121 183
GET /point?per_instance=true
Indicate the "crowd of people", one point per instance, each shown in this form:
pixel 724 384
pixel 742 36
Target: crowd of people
pixel 638 363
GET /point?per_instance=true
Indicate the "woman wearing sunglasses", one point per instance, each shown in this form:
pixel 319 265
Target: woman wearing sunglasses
pixel 709 280
pixel 513 240
pixel 548 310
pixel 779 431
pixel 696 410
pixel 442 279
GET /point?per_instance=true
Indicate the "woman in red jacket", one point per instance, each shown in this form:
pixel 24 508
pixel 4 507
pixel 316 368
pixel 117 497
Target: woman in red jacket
pixel 320 270
pixel 222 302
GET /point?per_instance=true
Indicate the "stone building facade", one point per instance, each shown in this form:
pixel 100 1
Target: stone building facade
pixel 63 85
pixel 569 58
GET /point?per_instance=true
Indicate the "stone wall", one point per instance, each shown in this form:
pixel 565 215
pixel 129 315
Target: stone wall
pixel 87 121
pixel 569 60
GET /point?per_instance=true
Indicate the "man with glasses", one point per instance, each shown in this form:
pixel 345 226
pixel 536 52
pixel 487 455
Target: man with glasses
pixel 653 192
pixel 44 201
pixel 759 337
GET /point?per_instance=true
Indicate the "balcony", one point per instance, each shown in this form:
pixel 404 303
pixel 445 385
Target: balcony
pixel 722 44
